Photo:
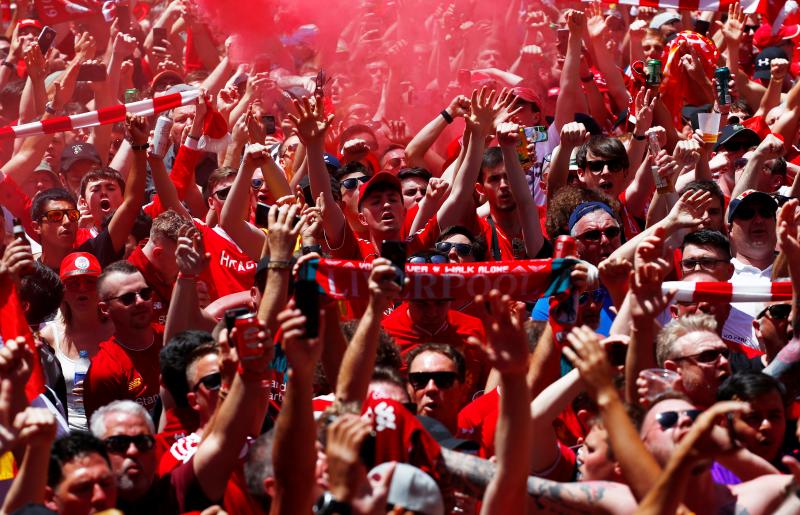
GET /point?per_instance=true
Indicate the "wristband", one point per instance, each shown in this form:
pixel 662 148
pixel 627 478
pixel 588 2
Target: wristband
pixel 189 136
pixel 48 108
pixel 143 146
pixel 9 64
pixel 308 249
pixel 588 78
pixel 279 265
pixel 639 137
pixel 192 277
pixel 446 116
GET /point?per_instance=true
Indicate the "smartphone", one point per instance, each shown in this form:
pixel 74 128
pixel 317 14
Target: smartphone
pixel 562 35
pixel 701 26
pixel 539 134
pixel 617 353
pixel 19 231
pixel 160 37
pixel 269 124
pixel 367 451
pixel 231 315
pixel 319 84
pixel 262 215
pixel 396 252
pixel 306 297
pixel 46 38
pixel 131 95
pixel 92 72
pixel 124 17
pixel 464 77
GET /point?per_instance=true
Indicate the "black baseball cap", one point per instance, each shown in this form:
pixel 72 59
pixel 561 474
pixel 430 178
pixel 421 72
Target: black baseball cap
pixel 762 69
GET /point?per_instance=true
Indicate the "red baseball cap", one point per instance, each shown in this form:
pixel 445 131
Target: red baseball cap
pixel 80 263
pixel 379 179
pixel 763 36
pixel 527 95
pixel 29 22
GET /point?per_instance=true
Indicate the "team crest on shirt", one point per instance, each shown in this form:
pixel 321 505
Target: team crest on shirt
pixel 184 449
pixel 135 383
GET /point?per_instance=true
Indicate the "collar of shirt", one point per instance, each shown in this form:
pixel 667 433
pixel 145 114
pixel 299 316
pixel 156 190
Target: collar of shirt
pixel 745 270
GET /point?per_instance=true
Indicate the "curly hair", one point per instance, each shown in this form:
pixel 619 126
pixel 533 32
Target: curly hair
pixel 566 200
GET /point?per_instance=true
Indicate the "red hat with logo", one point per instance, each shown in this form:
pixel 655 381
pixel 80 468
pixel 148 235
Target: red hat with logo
pixel 29 22
pixel 80 263
pixel 385 179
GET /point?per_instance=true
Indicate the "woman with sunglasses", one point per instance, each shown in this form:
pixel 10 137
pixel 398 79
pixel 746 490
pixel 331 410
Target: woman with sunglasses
pixel 78 329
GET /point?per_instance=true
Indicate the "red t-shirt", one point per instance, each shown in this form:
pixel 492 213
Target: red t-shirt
pixel 162 290
pixel 230 269
pixel 179 423
pixel 456 331
pixel 503 242
pixel 477 421
pixel 119 373
pixel 357 248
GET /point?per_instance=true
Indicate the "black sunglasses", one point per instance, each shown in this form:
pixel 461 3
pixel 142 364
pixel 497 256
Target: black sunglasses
pixel 595 295
pixel 121 443
pixel 256 184
pixel 435 259
pixel 777 311
pixel 667 419
pixel 462 249
pixel 211 382
pixel 748 212
pixel 223 193
pixel 703 263
pixel 442 380
pixel 352 182
pixel 596 234
pixel 708 356
pixel 129 298
pixel 597 166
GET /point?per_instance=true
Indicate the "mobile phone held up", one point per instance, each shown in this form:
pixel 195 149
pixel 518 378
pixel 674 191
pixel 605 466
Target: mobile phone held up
pixel 306 298
pixel 396 252
pixel 269 124
pixel 46 38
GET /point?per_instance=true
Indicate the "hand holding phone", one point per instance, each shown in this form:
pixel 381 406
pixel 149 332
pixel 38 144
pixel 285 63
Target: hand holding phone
pixel 396 252
pixel 46 38
pixel 306 298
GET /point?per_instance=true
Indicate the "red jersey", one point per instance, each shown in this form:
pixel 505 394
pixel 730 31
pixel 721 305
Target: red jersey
pixel 230 269
pixel 357 248
pixel 119 373
pixel 500 245
pixel 477 421
pixel 455 331
pixel 162 290
pixel 179 423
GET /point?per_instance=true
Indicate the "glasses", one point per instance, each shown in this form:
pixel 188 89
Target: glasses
pixel 129 298
pixel 442 380
pixel 435 259
pixel 56 215
pixel 667 419
pixel 777 311
pixel 596 234
pixel 255 184
pixel 751 28
pixel 222 194
pixel 462 249
pixel 594 295
pixel 353 182
pixel 211 382
pixel 748 212
pixel 707 356
pixel 121 443
pixel 598 166
pixel 703 263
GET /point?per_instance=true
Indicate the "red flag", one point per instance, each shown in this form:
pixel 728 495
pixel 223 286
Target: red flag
pixel 57 11
pixel 5 11
pixel 12 325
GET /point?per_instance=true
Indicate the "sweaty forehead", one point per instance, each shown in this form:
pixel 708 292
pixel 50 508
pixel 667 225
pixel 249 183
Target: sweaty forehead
pixel 432 362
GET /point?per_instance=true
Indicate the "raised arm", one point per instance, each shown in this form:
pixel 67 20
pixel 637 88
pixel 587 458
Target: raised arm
pixel 770 148
pixel 419 150
pixel 573 135
pixel 571 98
pixel 545 408
pixel 124 217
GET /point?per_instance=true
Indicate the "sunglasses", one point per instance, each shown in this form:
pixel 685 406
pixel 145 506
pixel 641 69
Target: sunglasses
pixel 462 249
pixel 256 184
pixel 598 166
pixel 748 212
pixel 222 194
pixel 667 419
pixel 435 259
pixel 751 28
pixel 594 295
pixel 352 183
pixel 708 356
pixel 596 234
pixel 56 215
pixel 777 311
pixel 211 382
pixel 121 443
pixel 442 380
pixel 129 298
pixel 703 263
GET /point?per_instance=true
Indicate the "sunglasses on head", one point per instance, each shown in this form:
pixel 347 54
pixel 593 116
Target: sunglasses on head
pixel 748 212
pixel 442 380
pixel 777 311
pixel 708 356
pixel 256 184
pixel 223 193
pixel 121 443
pixel 435 259
pixel 352 183
pixel 667 419
pixel 211 382
pixel 594 295
pixel 462 249
pixel 596 234
pixel 598 165
pixel 129 298
pixel 56 215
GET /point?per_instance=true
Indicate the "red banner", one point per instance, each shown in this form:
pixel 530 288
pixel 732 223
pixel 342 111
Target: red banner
pixel 12 325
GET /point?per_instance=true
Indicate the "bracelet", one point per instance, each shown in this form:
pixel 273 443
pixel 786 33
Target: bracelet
pixel 192 277
pixel 588 78
pixel 308 249
pixel 48 108
pixel 9 64
pixel 639 137
pixel 279 265
pixel 189 136
pixel 446 116
pixel 143 146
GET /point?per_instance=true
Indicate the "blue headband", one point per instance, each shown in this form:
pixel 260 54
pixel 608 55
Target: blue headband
pixel 585 208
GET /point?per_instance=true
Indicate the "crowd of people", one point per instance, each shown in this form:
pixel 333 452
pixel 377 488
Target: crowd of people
pixel 239 301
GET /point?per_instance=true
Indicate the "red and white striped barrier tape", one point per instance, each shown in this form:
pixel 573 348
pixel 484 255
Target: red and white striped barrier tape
pixel 103 116
pixel 729 292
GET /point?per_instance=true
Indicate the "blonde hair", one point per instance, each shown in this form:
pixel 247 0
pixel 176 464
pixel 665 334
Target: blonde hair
pixel 697 323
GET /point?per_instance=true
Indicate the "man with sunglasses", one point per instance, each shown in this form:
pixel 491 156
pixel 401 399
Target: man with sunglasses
pixel 773 329
pixel 436 374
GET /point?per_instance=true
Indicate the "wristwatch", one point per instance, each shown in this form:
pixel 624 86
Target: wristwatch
pixel 328 505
